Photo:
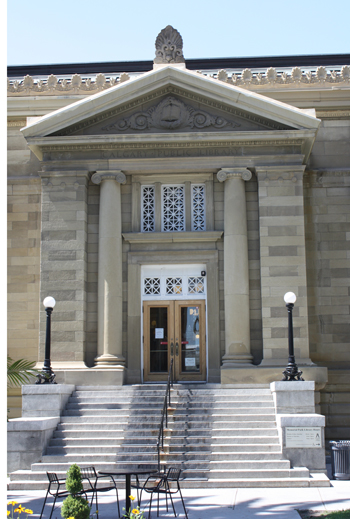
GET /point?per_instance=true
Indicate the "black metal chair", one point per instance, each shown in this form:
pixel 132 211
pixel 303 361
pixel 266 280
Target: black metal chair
pixel 54 490
pixel 168 484
pixel 90 475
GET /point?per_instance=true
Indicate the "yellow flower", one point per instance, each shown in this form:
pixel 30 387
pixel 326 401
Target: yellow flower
pixel 8 512
pixel 132 498
pixel 27 511
pixel 70 517
pixel 135 511
pixel 20 509
pixel 13 503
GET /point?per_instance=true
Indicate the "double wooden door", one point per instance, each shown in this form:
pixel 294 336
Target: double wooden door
pixel 174 329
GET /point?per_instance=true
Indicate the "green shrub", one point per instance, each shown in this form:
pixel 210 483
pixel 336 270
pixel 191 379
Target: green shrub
pixel 75 506
pixel 73 481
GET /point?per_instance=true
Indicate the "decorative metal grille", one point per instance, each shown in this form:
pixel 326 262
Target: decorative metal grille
pixel 198 208
pixel 173 202
pixel 196 285
pixel 148 208
pixel 174 285
pixel 151 286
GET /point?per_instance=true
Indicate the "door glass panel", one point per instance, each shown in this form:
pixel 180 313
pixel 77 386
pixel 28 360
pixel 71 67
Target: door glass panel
pixel 158 339
pixel 190 339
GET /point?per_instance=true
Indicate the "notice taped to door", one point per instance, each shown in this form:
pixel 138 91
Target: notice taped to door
pixel 303 437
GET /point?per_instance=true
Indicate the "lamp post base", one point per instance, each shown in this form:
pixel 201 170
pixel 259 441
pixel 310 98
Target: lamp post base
pixel 292 373
pixel 46 378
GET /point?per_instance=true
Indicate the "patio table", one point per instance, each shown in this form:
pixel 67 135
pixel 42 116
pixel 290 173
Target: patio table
pixel 127 473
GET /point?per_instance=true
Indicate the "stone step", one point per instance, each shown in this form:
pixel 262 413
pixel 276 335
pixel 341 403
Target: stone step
pixel 150 420
pixel 140 452
pixel 195 412
pixel 240 429
pixel 175 399
pixel 118 436
pixel 198 464
pixel 148 446
pixel 316 480
pixel 247 473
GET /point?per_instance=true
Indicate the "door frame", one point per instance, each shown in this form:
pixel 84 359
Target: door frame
pixel 174 306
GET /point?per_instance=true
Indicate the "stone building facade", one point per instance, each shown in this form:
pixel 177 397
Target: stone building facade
pixel 168 210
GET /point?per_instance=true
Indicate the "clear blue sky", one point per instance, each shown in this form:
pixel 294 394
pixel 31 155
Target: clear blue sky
pixel 75 31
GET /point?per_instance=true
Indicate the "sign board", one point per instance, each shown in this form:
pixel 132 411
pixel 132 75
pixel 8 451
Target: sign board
pixel 159 333
pixel 303 437
pixel 189 362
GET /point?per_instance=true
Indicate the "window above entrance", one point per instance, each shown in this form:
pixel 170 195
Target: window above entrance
pixel 167 282
pixel 172 204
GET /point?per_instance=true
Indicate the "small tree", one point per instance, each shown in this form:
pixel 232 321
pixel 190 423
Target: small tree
pixel 75 505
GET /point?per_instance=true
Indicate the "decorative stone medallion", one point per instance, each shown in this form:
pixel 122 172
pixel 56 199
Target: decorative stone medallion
pixel 170 114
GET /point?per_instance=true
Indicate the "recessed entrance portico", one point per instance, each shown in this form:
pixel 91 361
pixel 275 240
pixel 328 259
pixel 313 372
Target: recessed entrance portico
pixel 224 137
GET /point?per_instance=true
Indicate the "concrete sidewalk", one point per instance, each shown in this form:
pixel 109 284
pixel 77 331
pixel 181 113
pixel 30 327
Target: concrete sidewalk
pixel 242 503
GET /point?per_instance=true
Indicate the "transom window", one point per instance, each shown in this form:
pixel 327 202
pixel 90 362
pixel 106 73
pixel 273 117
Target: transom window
pixel 173 208
pixel 174 286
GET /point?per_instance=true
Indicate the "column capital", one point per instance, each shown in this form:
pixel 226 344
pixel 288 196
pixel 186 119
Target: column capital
pixel 117 175
pixel 227 173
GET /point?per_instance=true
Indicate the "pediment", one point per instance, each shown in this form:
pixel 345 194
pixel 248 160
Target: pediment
pixel 171 110
pixel 171 100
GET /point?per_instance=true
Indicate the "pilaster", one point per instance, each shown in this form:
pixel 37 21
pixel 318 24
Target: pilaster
pixel 282 262
pixel 64 265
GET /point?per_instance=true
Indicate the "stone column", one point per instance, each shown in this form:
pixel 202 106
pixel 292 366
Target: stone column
pixel 236 272
pixel 110 298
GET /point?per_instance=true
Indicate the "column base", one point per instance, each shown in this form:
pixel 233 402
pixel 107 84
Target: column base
pixel 108 361
pixel 237 356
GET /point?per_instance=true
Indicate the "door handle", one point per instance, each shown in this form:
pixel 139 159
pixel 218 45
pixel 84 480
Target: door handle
pixel 177 348
pixel 171 348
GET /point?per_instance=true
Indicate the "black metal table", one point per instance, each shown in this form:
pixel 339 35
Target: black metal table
pixel 127 473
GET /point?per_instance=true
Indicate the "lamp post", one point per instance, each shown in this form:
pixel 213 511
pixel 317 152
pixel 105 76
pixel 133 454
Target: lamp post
pixel 291 372
pixel 47 376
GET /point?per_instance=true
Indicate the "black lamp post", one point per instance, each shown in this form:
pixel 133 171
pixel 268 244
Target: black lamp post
pixel 291 372
pixel 47 376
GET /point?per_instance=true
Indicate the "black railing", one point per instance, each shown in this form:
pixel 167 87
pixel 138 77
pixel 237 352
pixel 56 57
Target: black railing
pixel 164 419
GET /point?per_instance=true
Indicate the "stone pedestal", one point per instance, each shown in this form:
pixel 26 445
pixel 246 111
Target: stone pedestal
pixel 45 399
pixel 301 430
pixel 110 300
pixel 294 397
pixel 28 437
pixel 311 456
pixel 236 273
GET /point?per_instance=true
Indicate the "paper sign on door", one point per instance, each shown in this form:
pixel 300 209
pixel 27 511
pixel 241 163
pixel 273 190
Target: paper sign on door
pixel 159 333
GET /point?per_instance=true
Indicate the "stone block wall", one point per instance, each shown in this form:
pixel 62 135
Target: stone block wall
pixel 327 229
pixel 23 275
pixel 327 207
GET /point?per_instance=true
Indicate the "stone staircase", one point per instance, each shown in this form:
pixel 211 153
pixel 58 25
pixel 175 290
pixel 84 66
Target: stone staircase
pixel 219 436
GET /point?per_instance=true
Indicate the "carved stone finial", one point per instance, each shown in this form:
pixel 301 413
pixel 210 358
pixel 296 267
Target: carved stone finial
pixel 169 46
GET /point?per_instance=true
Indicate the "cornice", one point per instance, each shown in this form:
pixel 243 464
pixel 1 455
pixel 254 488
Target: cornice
pixel 333 114
pixel 300 77
pixel 172 237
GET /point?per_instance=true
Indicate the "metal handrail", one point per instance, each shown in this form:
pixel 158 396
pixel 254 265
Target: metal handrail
pixel 166 405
